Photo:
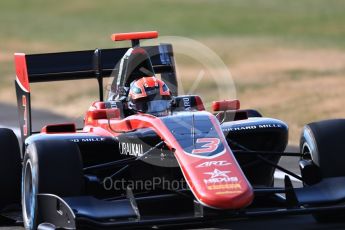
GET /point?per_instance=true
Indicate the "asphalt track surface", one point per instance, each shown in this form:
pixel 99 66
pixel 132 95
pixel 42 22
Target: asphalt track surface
pixel 8 118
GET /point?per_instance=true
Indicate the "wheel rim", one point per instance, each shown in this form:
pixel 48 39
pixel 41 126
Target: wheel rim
pixel 306 153
pixel 309 148
pixel 29 196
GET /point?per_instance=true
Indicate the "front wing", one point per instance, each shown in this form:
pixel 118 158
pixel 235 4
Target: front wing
pixel 178 208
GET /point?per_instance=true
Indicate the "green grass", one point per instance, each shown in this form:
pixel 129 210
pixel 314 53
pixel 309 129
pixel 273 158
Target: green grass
pixel 34 26
pixel 88 23
pixel 48 26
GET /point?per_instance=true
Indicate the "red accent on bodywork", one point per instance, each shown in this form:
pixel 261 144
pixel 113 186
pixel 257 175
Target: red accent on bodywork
pixel 225 105
pixel 98 105
pixel 59 128
pixel 98 113
pixel 222 194
pixel 134 36
pixel 22 71
pixel 104 114
pixel 199 104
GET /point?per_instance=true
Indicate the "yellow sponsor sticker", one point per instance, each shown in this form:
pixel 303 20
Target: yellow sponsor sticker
pixel 235 186
pixel 228 192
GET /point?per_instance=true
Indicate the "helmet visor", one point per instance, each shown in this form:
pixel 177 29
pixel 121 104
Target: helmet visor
pixel 156 107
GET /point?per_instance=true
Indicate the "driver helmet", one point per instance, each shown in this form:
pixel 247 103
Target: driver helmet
pixel 149 95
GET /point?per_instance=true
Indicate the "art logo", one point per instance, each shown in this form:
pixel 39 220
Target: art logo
pixel 213 163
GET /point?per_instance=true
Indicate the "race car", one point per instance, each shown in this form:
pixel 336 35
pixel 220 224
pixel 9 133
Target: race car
pixel 148 157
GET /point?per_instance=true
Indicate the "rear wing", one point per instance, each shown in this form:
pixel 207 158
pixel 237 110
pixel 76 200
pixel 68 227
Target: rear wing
pixel 90 64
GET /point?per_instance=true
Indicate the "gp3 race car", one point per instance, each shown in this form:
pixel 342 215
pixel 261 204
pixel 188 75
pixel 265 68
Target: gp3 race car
pixel 127 168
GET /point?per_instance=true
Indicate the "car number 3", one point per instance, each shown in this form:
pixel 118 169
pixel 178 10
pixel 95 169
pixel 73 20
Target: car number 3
pixel 211 144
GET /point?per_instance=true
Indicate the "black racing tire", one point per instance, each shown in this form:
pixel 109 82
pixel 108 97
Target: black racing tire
pixel 10 168
pixel 323 143
pixel 53 167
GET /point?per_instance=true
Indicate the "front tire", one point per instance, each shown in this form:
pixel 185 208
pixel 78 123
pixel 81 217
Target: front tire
pixel 323 143
pixel 53 167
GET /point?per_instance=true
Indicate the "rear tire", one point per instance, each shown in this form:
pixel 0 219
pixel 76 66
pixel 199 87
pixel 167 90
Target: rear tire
pixel 10 168
pixel 53 167
pixel 323 143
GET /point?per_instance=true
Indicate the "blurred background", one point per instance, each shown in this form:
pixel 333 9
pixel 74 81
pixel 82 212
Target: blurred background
pixel 287 58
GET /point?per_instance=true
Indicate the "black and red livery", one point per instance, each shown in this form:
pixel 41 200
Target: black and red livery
pixel 224 160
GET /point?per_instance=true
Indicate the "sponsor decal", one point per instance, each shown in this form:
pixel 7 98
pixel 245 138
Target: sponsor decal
pixel 252 127
pixel 228 192
pixel 270 126
pixel 25 116
pixel 91 139
pixel 218 176
pixel 131 149
pixel 213 163
pixel 209 146
pixel 186 103
pixel 234 186
pixel 220 180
